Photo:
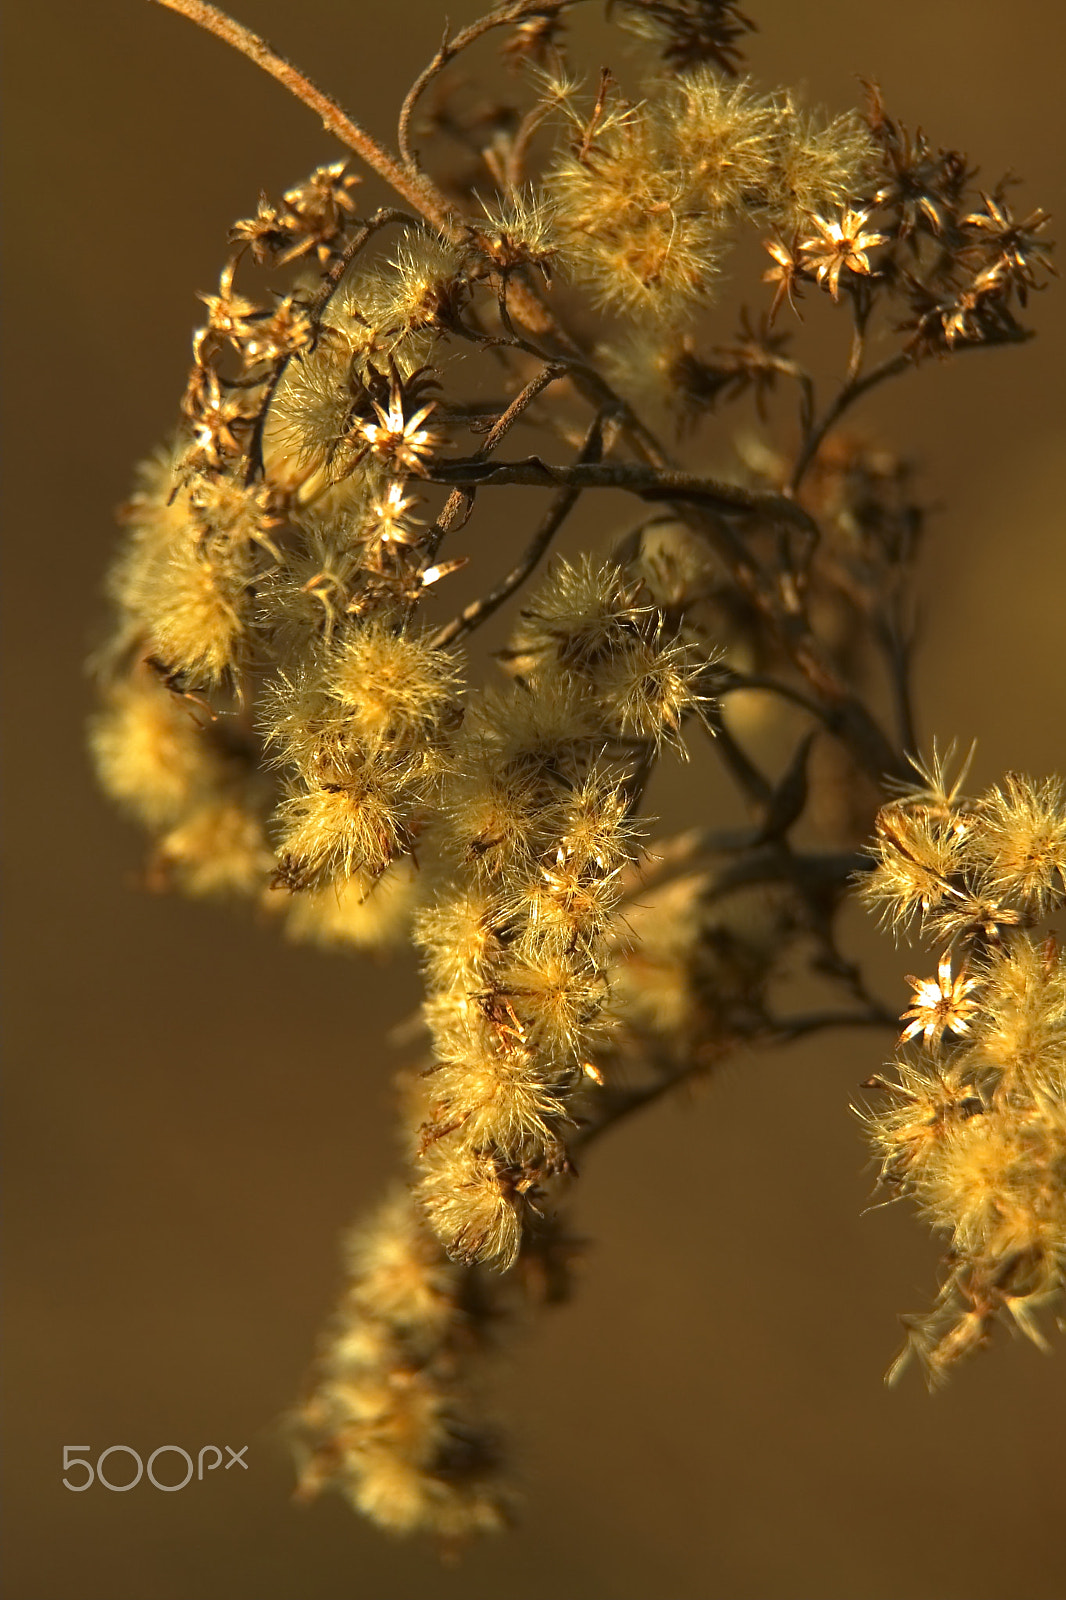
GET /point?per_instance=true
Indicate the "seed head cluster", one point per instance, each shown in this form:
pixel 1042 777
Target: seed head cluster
pixel 293 705
pixel 972 1123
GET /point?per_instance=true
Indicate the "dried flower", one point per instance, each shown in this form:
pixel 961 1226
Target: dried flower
pixel 285 713
pixel 841 246
pixel 940 1005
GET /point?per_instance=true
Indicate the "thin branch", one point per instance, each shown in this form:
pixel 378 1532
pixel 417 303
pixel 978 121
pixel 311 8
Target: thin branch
pixel 480 610
pixel 623 1104
pixel 419 192
pixel 753 783
pixel 759 680
pixel 650 483
pixel 785 1030
pixel 449 49
pixel 516 157
pixel 384 217
pixel 460 502
pixel 851 391
pixel 536 385
pixel 855 388
pixel 415 188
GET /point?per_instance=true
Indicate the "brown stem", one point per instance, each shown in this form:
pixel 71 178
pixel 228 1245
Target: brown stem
pixel 525 397
pixel 758 680
pixel 480 610
pixel 848 395
pixel 461 500
pixel 415 189
pixel 650 483
pixel 855 388
pixel 450 48
pixel 776 1030
pixel 754 784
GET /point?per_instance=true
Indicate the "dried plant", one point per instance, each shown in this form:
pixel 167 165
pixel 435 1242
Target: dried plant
pixel 285 707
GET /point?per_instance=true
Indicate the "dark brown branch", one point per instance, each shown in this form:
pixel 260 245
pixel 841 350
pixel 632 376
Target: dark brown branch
pixel 851 391
pixel 650 483
pixel 754 785
pixel 855 388
pixel 758 680
pixel 480 610
pixel 536 385
pixel 460 501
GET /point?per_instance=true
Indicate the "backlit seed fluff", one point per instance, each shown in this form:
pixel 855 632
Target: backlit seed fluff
pixel 972 1125
pixel 626 226
pixel 473 1204
pixel 391 1421
pixel 393 686
pixel 220 848
pixel 460 933
pixel 817 164
pixel 182 585
pixel 719 136
pixel 1019 833
pixel 151 749
pixel 595 622
pixel 917 851
pixel 309 411
pixel 360 912
pixel 489 1099
pixel 354 822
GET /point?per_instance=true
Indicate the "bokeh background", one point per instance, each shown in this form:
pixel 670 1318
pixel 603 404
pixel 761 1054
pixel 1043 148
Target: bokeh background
pixel 196 1110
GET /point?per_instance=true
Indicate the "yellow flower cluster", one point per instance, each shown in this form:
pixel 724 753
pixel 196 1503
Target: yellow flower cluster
pixel 972 1124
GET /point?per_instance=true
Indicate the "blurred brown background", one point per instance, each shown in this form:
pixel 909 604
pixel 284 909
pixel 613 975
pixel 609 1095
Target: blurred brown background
pixel 195 1110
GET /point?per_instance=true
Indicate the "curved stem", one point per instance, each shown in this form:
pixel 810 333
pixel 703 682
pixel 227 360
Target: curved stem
pixel 414 188
pixel 450 48
pixel 852 391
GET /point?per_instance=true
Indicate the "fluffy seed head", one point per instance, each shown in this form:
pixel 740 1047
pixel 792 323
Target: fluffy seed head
pixel 393 686
pixel 1019 836
pixel 473 1203
pixel 151 753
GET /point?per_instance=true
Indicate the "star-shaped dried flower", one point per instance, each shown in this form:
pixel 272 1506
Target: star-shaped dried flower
pixel 285 330
pixel 841 246
pixel 922 187
pixel 217 420
pixel 790 268
pixel 267 234
pixel 692 32
pixel 400 440
pixel 393 523
pixel 940 1004
pixel 1018 252
pixel 228 315
pixel 318 211
pixel 978 313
